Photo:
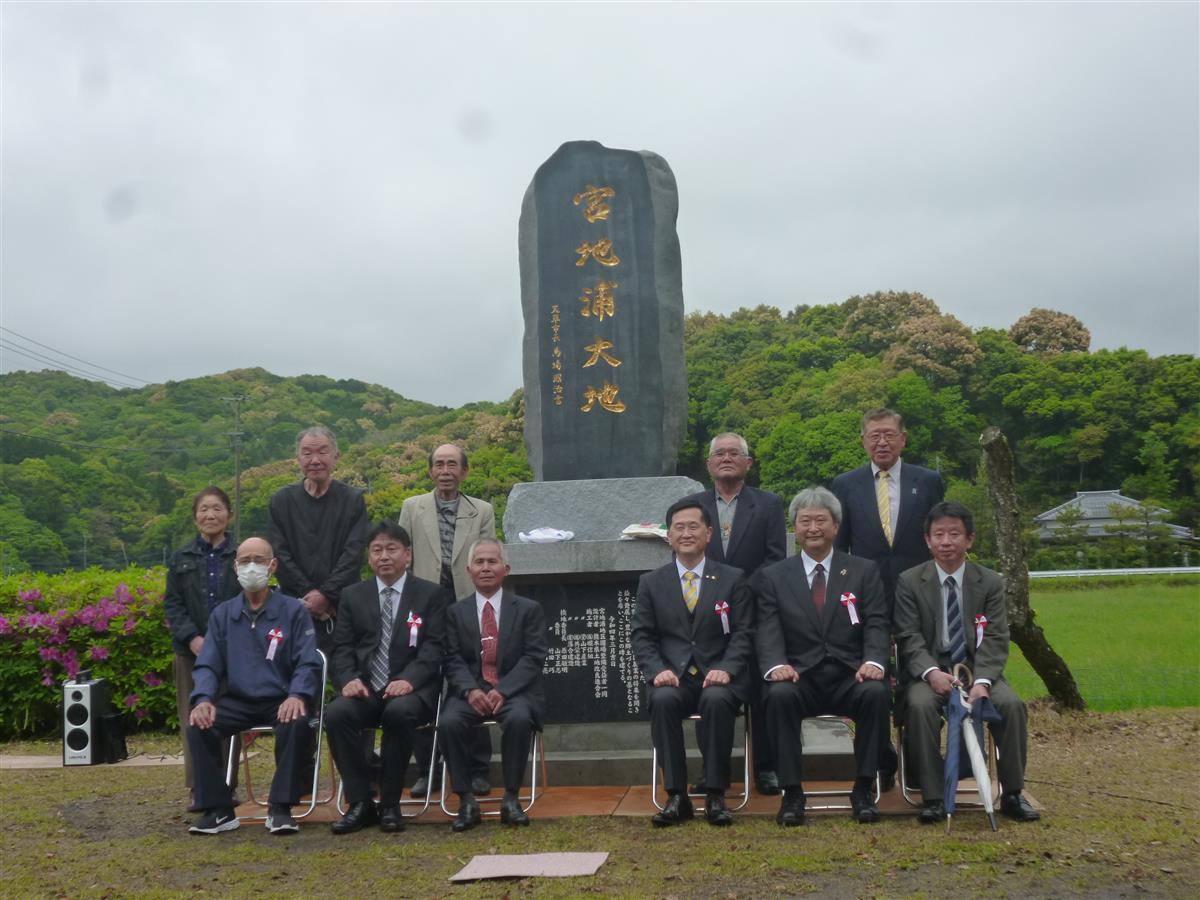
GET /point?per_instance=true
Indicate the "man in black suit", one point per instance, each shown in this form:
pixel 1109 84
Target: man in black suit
pixel 387 667
pixel 884 505
pixel 751 533
pixel 951 611
pixel 822 638
pixel 495 651
pixel 692 640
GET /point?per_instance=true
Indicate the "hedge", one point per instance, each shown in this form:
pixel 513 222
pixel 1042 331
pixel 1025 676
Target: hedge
pixel 111 623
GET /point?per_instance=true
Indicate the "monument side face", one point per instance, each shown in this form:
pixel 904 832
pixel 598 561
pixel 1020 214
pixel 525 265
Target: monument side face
pixel 602 296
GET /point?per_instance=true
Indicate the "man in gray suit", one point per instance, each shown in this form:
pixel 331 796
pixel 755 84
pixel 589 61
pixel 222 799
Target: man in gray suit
pixel 949 611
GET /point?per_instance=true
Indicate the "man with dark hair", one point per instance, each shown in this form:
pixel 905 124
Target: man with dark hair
pixel 318 527
pixel 822 638
pixel 258 665
pixel 692 640
pixel 749 532
pixel 951 611
pixel 387 668
pixel 444 524
pixel 884 504
pixel 495 651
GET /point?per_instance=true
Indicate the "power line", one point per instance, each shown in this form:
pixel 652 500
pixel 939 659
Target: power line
pixel 90 365
pixel 58 364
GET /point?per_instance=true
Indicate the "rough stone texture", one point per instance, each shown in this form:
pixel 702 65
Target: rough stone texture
pixel 587 557
pixel 596 510
pixel 645 328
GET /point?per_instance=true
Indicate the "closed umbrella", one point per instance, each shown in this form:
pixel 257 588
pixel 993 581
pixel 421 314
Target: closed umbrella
pixel 958 708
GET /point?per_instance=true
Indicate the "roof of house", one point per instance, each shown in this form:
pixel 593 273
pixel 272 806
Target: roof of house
pixel 1095 506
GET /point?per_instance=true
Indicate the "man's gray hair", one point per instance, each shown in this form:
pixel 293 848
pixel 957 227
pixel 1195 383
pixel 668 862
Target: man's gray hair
pixel 816 498
pixel 729 434
pixel 484 542
pixel 316 431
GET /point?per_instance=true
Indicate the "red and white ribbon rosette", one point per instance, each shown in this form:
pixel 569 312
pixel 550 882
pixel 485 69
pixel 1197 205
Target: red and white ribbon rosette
pixel 414 626
pixel 274 636
pixel 722 609
pixel 980 628
pixel 848 601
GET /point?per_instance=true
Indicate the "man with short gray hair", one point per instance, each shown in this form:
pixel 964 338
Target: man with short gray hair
pixel 822 640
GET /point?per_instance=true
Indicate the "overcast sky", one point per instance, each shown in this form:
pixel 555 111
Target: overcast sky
pixel 191 188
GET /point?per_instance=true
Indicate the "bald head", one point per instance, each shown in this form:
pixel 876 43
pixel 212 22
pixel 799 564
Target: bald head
pixel 255 549
pixel 447 469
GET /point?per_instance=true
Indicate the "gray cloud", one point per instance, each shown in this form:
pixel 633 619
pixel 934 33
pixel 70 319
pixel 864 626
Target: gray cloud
pixel 190 188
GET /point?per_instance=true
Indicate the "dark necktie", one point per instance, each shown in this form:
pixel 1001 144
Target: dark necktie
pixel 818 589
pixel 489 636
pixel 380 661
pixel 954 626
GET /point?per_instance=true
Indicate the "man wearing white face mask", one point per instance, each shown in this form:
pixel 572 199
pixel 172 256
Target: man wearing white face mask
pixel 259 664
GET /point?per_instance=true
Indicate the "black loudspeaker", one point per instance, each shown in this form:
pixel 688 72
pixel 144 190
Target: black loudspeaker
pixel 88 720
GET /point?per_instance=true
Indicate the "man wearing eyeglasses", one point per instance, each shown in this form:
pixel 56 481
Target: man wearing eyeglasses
pixel 749 532
pixel 884 506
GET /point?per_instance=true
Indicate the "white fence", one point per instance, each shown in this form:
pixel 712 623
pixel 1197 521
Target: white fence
pixel 1083 573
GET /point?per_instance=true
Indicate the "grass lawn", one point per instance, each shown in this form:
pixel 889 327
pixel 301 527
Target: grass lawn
pixel 1122 820
pixel 1128 646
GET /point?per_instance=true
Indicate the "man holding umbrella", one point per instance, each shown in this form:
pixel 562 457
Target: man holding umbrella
pixel 951 611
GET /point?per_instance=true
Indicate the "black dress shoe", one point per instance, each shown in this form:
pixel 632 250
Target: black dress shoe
pixel 357 817
pixel 862 801
pixel 468 814
pixel 932 812
pixel 715 809
pixel 390 820
pixel 678 809
pixel 1015 806
pixel 480 786
pixel 767 783
pixel 791 810
pixel 511 812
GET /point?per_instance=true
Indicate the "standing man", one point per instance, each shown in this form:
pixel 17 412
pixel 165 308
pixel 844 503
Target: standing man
pixel 387 669
pixel 822 637
pixel 692 640
pixel 443 525
pixel 752 533
pixel 951 611
pixel 495 651
pixel 884 505
pixel 258 665
pixel 318 527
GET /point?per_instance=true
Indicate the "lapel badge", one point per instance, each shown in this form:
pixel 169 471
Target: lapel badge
pixel 842 573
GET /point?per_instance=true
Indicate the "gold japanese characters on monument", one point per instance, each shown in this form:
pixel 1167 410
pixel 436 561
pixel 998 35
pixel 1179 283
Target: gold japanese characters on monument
pixel 595 209
pixel 599 302
pixel 601 252
pixel 598 353
pixel 556 357
pixel 606 397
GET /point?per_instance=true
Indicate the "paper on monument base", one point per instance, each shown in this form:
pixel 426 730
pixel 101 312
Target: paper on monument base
pixel 644 530
pixel 530 865
pixel 545 535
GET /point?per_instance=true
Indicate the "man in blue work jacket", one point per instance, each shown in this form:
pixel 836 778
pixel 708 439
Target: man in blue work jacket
pixel 261 648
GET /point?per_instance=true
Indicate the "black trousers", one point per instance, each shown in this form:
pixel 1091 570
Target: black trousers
pixel 827 689
pixel 718 709
pixel 399 718
pixel 481 750
pixel 234 715
pixel 460 722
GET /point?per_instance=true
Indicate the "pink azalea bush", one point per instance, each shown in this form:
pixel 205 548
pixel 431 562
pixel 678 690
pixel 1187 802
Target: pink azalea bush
pixel 52 627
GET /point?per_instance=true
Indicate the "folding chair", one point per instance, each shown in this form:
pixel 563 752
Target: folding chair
pixel 537 754
pixel 316 720
pixel 743 797
pixel 848 724
pixel 340 801
pixel 991 753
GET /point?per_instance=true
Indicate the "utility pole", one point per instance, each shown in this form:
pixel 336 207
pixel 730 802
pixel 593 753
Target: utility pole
pixel 235 437
pixel 84 533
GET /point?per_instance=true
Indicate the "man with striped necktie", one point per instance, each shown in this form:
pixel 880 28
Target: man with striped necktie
pixel 951 611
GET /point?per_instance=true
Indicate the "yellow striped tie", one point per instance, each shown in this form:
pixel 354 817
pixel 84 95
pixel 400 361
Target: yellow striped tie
pixel 884 501
pixel 691 591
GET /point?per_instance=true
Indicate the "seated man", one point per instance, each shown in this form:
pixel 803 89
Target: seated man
pixel 495 650
pixel 387 668
pixel 822 638
pixel 247 676
pixel 692 640
pixel 950 611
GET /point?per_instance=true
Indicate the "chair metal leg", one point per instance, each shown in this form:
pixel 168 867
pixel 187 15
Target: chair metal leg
pixel 537 754
pixel 744 797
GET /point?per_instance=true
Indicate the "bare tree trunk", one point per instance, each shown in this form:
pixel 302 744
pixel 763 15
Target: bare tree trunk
pixel 1026 633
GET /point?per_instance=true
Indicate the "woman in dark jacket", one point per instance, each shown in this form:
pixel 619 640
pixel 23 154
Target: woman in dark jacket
pixel 201 576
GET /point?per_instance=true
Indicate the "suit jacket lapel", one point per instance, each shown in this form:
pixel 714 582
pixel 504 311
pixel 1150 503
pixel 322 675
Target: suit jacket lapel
pixel 429 524
pixel 716 550
pixel 971 606
pixel 833 592
pixel 462 528
pixel 400 618
pixel 908 487
pixel 509 628
pixel 741 517
pixel 931 596
pixel 802 594
pixel 710 590
pixel 672 592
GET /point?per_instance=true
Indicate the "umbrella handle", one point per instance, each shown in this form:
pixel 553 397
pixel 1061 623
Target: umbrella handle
pixel 962 672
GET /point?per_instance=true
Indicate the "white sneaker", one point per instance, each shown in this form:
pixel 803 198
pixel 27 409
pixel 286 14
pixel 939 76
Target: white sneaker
pixel 280 821
pixel 214 821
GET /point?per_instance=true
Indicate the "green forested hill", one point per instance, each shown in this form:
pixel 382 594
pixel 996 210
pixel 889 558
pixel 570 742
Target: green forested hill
pixel 90 469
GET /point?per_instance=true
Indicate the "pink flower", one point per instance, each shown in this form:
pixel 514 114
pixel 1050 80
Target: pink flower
pixel 140 713
pixel 152 679
pixel 30 596
pixel 132 700
pixel 5 628
pixel 48 654
pixel 130 624
pixel 99 652
pixel 46 679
